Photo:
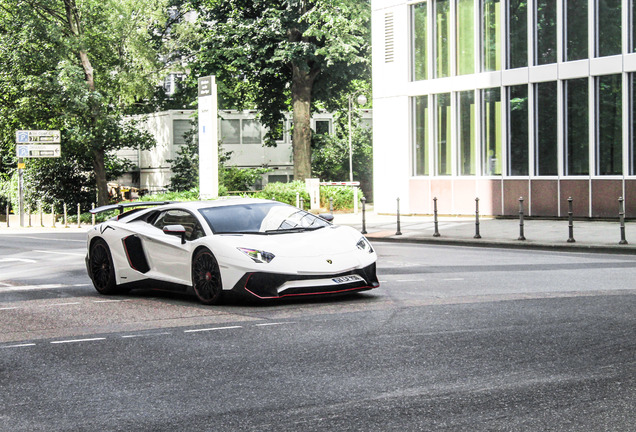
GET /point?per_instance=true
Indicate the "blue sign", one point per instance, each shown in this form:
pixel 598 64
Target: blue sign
pixel 23 150
pixel 22 137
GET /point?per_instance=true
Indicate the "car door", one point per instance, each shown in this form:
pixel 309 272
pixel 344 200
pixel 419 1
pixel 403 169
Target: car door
pixel 169 257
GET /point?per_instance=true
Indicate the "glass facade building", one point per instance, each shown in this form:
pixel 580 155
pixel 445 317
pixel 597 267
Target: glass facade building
pixel 509 99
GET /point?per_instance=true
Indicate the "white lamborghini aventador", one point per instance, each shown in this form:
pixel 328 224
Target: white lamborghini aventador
pixel 262 248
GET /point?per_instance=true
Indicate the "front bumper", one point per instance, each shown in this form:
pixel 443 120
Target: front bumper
pixel 274 285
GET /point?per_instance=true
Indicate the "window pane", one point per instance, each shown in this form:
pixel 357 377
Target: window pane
pixel 577 136
pixel 420 38
pixel 180 128
pixel 322 127
pixel 518 121
pixel 465 37
pixel 609 27
pixel 251 132
pixel 442 38
pixel 467 142
pixel 230 131
pixel 492 39
pixel 546 114
pixel 632 117
pixel 518 38
pixel 443 134
pixel 492 131
pixel 546 31
pixel 576 30
pixel 610 125
pixel 633 26
pixel 421 136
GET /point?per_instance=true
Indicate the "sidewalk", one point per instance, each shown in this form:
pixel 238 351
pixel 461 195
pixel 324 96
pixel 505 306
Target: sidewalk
pixel 589 236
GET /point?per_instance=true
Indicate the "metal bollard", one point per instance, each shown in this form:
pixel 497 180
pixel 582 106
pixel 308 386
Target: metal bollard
pixel 331 205
pixel 621 216
pixel 436 233
pixel 7 215
pixel 398 232
pixel 302 204
pixel 79 216
pixel 521 236
pixel 41 213
pixel 477 235
pixel 65 217
pixel 53 214
pixel 93 214
pixel 364 216
pixel 298 199
pixel 570 221
pixel 28 211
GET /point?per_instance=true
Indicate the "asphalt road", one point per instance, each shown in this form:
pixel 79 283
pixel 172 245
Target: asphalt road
pixel 455 339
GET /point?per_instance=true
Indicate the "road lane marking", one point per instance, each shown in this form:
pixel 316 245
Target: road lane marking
pixel 60 253
pixel 62 304
pixel 78 340
pixel 212 329
pixel 23 260
pixel 44 238
pixel 9 308
pixel 10 288
pixel 109 301
pixel 145 335
pixel 454 279
pixel 272 324
pixel 19 345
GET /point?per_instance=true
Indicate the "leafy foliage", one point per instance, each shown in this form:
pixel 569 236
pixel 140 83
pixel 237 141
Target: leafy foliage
pixel 330 157
pixel 78 67
pixel 283 55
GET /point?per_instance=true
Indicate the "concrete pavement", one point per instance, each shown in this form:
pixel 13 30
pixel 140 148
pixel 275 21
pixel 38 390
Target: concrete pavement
pixel 588 235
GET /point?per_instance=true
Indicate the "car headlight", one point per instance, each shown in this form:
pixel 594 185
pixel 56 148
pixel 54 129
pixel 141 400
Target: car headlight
pixel 258 255
pixel 364 245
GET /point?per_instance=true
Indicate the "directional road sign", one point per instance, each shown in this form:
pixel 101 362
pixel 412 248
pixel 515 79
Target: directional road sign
pixel 38 136
pixel 38 150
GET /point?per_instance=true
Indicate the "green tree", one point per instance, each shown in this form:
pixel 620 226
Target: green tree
pixel 286 54
pixel 330 156
pixel 79 67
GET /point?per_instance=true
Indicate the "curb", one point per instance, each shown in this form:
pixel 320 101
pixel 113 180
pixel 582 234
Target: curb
pixel 581 248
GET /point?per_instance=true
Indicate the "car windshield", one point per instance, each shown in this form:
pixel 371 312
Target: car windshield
pixel 260 218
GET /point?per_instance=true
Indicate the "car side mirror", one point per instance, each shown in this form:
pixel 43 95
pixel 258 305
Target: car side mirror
pixel 326 216
pixel 175 230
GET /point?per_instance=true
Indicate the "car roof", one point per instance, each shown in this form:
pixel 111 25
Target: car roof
pixel 221 202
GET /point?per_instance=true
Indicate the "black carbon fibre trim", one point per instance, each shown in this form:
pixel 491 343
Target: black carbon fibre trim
pixel 135 253
pixel 265 285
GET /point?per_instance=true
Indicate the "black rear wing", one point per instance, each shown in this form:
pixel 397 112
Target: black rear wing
pixel 122 206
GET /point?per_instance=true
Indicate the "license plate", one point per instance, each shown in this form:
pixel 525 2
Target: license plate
pixel 347 279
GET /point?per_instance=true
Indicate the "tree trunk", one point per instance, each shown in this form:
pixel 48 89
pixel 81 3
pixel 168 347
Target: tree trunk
pixel 100 176
pixel 99 167
pixel 302 83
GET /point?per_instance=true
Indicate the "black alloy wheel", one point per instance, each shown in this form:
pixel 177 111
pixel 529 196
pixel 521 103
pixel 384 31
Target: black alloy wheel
pixel 206 277
pixel 101 268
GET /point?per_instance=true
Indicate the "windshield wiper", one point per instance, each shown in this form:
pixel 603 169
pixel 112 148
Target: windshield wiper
pixel 293 229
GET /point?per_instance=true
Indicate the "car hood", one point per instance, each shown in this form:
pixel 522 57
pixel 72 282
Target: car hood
pixel 328 240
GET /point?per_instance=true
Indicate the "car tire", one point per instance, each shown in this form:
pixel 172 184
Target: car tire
pixel 102 271
pixel 206 277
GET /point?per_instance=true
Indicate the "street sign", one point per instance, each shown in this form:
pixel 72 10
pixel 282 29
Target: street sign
pixel 38 150
pixel 38 136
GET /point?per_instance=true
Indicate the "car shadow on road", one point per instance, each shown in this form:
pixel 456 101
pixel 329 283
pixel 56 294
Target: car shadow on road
pixel 233 300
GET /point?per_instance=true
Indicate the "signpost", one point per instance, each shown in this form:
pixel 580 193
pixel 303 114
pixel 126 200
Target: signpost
pixel 34 144
pixel 208 139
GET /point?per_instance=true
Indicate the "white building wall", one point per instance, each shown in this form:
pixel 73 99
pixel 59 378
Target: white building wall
pixel 391 132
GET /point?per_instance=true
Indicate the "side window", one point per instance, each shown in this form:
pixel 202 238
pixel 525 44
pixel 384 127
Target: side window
pixel 180 217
